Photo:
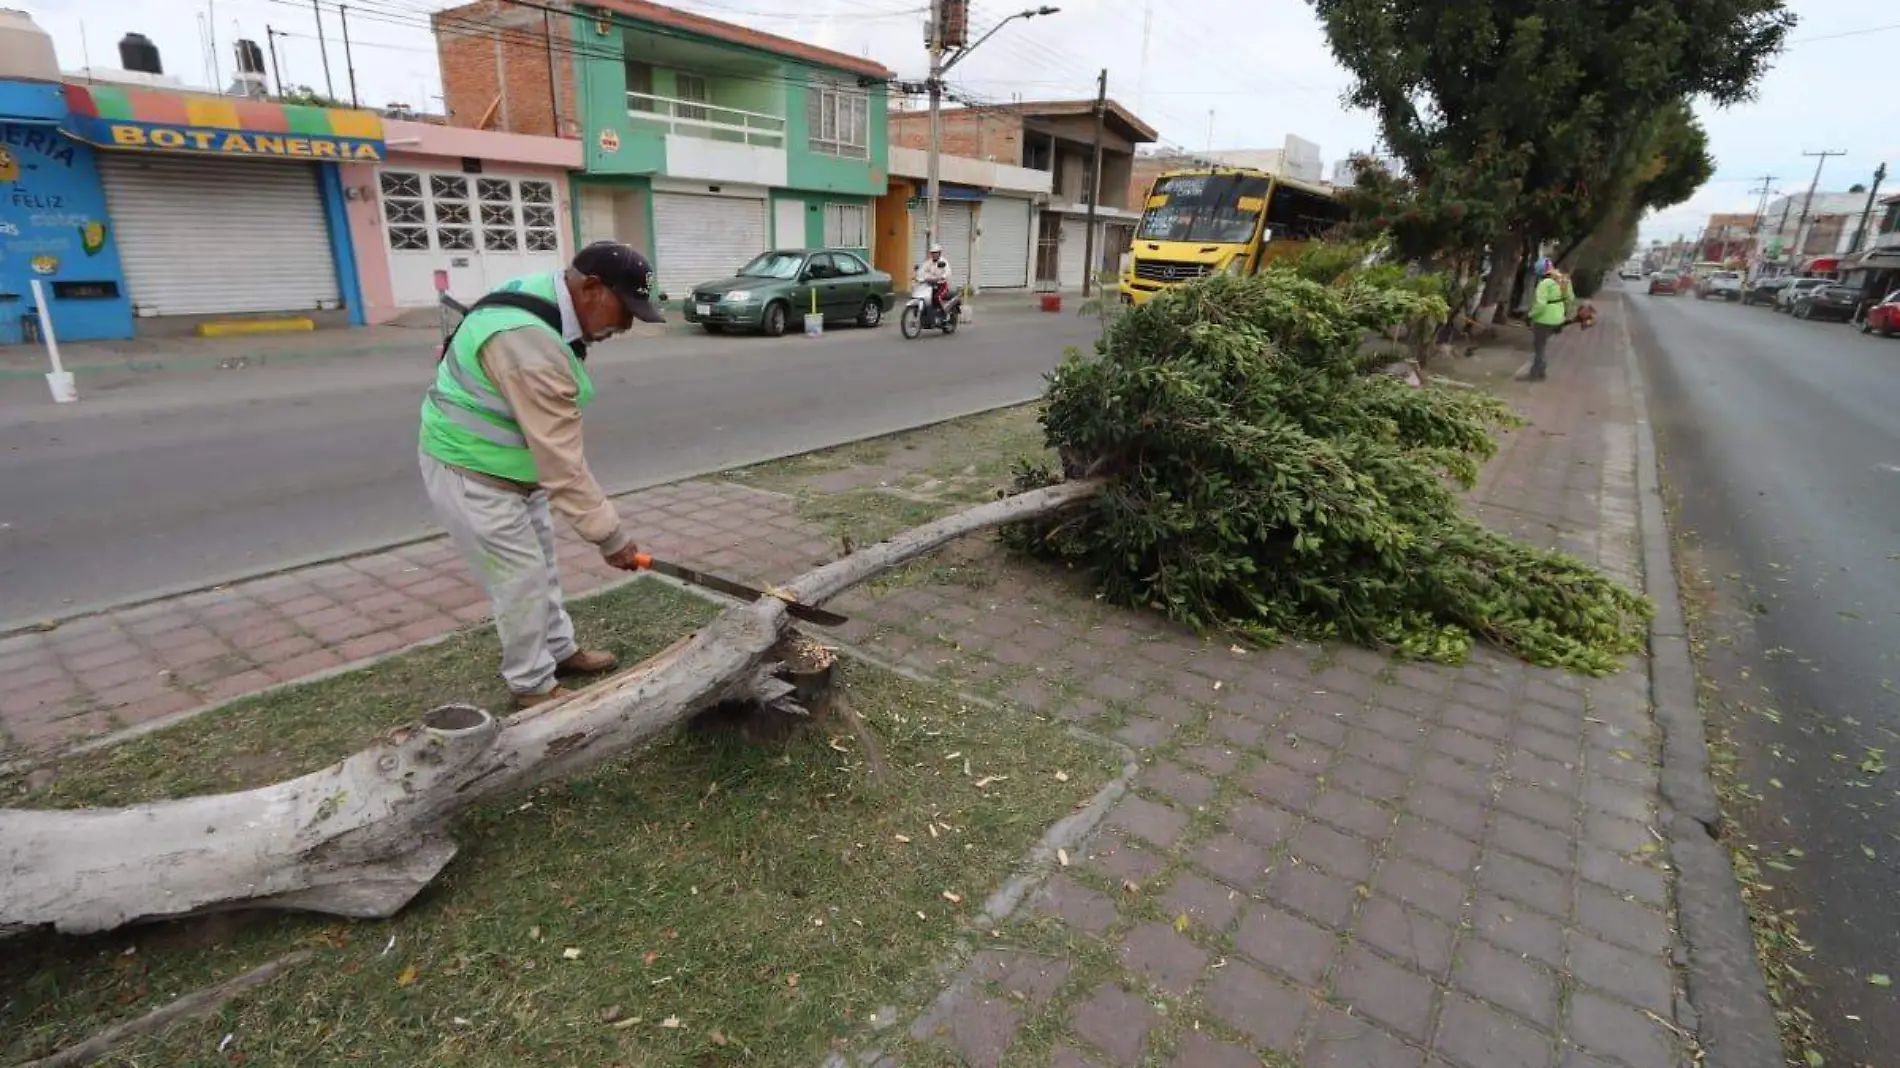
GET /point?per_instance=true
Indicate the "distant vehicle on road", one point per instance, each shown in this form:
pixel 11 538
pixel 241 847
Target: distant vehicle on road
pixel 1784 300
pixel 786 286
pixel 1724 284
pixel 1827 302
pixel 1631 271
pixel 1884 317
pixel 1765 290
pixel 1667 281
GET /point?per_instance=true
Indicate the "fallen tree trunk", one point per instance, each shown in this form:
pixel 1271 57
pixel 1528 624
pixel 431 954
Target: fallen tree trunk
pixel 363 836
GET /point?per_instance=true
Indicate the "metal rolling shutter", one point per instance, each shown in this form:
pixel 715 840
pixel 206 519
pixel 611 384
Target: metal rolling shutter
pixel 954 217
pixel 203 237
pixel 1005 244
pixel 703 239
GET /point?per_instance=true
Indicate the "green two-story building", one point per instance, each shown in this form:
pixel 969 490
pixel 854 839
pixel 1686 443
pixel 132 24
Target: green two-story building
pixel 706 142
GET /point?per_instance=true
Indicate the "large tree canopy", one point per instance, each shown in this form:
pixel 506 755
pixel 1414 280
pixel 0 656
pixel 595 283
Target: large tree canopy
pixel 1565 93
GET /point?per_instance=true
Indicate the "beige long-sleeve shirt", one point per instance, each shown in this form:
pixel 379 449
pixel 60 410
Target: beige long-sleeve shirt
pixel 530 369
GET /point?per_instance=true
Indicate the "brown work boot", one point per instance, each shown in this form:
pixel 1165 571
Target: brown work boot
pixel 588 662
pixel 530 700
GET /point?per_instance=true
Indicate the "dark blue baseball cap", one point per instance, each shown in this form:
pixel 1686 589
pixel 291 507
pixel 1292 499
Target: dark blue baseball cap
pixel 622 269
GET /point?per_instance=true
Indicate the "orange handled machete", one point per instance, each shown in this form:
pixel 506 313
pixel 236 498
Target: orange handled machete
pixel 806 612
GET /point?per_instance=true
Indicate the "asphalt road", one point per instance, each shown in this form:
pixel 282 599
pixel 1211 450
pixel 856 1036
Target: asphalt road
pixel 1781 440
pixel 160 481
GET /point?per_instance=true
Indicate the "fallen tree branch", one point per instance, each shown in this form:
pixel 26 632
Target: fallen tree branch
pixel 196 1003
pixel 366 834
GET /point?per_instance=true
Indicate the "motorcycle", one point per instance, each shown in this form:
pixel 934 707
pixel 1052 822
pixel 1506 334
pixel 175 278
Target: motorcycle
pixel 920 315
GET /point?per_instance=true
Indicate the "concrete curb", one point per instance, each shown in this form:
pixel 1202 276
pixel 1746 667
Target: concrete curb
pixel 11 627
pixel 1734 1022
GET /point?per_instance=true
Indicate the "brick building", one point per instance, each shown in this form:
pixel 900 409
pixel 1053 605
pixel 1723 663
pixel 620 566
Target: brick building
pixel 704 142
pixel 1056 137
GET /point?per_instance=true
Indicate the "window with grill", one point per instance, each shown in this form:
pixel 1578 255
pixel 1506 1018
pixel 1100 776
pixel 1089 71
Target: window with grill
pixel 499 219
pixel 845 225
pixel 840 119
pixel 539 230
pixel 448 199
pixel 405 211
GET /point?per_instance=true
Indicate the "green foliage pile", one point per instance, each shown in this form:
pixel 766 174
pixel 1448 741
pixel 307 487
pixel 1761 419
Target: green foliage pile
pixel 1262 481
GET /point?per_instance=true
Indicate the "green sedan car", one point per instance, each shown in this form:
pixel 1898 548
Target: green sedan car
pixel 781 287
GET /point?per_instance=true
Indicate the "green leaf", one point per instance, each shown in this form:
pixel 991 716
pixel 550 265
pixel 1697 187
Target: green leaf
pixel 1814 1059
pixel 1880 980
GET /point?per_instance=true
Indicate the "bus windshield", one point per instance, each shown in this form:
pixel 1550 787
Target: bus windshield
pixel 1206 208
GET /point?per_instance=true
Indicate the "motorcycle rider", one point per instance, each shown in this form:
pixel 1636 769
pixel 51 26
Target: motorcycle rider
pixel 937 273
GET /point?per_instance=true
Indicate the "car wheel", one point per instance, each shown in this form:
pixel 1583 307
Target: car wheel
pixel 872 314
pixel 774 322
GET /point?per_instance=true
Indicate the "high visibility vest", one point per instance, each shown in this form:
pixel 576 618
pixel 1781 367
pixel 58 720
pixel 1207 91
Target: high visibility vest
pixel 466 422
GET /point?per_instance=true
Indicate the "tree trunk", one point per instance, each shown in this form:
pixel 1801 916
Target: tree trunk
pixel 1507 260
pixel 365 835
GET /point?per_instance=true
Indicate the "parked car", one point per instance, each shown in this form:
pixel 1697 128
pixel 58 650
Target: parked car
pixel 1724 284
pixel 777 289
pixel 1884 317
pixel 1784 300
pixel 1667 282
pixel 1765 290
pixel 1827 302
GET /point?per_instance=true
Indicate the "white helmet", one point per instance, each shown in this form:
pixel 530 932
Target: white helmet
pixel 934 249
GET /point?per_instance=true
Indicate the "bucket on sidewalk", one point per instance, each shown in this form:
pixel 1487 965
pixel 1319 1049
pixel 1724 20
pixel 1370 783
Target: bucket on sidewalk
pixel 1052 302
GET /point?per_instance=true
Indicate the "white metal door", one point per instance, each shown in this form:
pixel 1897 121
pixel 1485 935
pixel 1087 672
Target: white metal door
pixel 481 229
pixel 788 224
pixel 1073 253
pixel 701 239
pixel 953 217
pixel 230 236
pixel 1003 250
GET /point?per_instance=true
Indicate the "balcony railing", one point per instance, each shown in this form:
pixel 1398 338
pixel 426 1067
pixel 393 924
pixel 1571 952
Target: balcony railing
pixel 696 118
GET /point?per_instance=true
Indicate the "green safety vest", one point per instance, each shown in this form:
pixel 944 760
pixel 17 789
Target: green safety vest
pixel 1547 303
pixel 466 422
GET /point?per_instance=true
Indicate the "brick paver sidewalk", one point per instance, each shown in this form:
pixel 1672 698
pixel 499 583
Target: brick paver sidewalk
pixel 1326 857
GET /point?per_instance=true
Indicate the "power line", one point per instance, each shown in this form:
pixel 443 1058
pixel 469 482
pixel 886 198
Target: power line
pixel 1862 32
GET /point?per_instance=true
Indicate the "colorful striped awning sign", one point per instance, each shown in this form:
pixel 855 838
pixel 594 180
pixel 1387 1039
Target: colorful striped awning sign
pixel 152 120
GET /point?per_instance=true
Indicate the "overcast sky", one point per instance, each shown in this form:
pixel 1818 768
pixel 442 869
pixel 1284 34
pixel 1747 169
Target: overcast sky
pixel 1219 73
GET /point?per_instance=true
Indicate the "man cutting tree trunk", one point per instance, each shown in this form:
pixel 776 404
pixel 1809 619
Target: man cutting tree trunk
pixel 501 450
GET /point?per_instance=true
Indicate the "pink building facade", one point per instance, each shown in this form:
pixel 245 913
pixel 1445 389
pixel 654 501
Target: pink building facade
pixel 473 208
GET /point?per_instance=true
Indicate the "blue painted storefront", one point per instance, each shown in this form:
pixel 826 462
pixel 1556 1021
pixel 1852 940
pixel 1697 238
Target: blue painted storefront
pixel 55 220
pixel 54 226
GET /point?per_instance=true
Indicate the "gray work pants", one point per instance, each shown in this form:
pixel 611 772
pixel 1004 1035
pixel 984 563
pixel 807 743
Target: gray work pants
pixel 508 540
pixel 1540 341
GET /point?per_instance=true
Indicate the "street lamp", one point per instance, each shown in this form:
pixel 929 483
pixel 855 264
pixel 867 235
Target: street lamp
pixel 938 67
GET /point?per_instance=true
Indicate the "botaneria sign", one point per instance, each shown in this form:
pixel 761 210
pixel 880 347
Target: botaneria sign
pixel 240 142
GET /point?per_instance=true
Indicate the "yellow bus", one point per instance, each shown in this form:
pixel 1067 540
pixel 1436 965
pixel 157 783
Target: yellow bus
pixel 1214 220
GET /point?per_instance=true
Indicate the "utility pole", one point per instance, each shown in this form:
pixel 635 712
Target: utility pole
pixel 1812 186
pixel 349 61
pixel 1761 209
pixel 270 36
pixel 1095 184
pixel 1141 84
pixel 1860 232
pixel 935 41
pixel 323 48
pixel 936 122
